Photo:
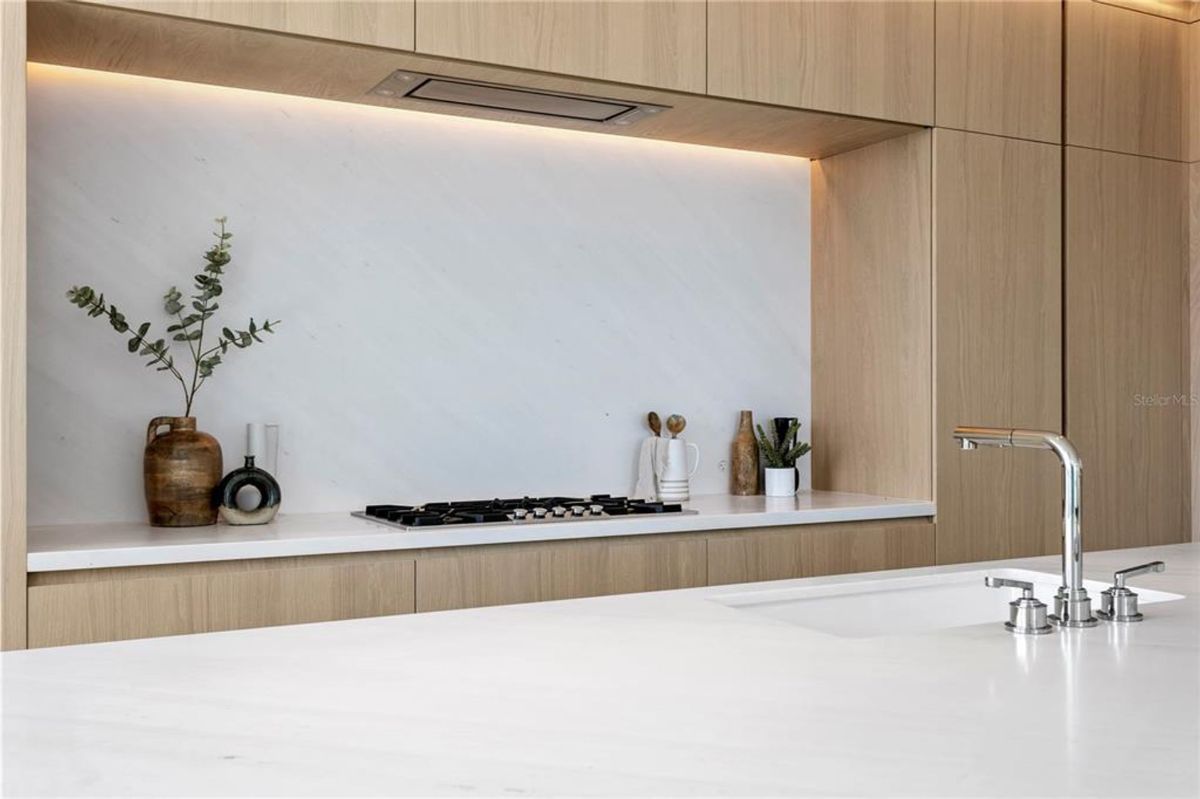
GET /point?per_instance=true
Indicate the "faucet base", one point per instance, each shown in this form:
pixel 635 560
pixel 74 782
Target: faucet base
pixel 1090 621
pixel 1075 611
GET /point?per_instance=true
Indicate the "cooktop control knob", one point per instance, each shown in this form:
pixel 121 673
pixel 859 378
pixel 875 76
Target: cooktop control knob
pixel 539 513
pixel 597 510
pixel 577 510
pixel 559 511
pixel 520 513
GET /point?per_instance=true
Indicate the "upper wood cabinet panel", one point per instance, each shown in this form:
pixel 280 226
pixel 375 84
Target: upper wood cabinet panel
pixel 1194 90
pixel 1127 348
pixel 999 67
pixel 383 23
pixel 998 309
pixel 654 43
pixel 872 59
pixel 1126 81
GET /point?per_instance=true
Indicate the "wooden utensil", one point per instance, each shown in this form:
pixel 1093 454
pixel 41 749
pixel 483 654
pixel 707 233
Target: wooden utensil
pixel 675 424
pixel 654 422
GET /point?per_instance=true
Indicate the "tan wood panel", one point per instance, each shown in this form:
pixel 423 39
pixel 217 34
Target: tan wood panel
pixel 98 37
pixel 1125 76
pixel 872 330
pixel 1194 345
pixel 383 23
pixel 873 58
pixel 999 67
pixel 652 42
pixel 1126 283
pixel 1181 10
pixel 813 550
pixel 12 326
pixel 1193 102
pixel 998 312
pixel 117 604
pixel 510 574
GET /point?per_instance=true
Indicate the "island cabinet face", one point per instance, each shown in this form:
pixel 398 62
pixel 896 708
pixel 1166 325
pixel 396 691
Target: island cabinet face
pixel 145 602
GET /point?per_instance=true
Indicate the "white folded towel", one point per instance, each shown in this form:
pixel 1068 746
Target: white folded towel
pixel 647 487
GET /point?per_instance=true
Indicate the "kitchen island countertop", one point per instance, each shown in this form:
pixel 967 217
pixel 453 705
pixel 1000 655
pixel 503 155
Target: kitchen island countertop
pixel 659 694
pixel 117 544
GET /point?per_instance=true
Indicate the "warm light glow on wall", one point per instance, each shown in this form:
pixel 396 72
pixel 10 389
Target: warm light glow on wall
pixel 551 136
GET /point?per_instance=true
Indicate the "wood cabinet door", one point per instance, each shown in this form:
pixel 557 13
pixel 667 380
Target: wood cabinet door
pixel 998 316
pixel 870 58
pixel 117 604
pixel 1126 78
pixel 652 43
pixel 382 23
pixel 514 573
pixel 1127 347
pixel 999 67
pixel 813 550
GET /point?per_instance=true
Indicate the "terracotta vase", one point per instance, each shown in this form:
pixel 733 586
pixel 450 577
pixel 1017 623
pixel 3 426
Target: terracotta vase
pixel 182 467
pixel 744 458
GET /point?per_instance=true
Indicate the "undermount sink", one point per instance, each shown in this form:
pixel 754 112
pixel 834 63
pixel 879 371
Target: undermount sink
pixel 904 605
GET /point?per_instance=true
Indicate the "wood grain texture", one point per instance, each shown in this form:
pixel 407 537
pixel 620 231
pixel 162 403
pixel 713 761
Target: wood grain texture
pixel 116 40
pixel 651 42
pixel 12 326
pixel 999 67
pixel 998 311
pixel 144 602
pixel 1127 390
pixel 1180 10
pixel 1125 76
pixel 383 23
pixel 782 553
pixel 1193 88
pixel 871 58
pixel 872 329
pixel 516 573
pixel 1194 343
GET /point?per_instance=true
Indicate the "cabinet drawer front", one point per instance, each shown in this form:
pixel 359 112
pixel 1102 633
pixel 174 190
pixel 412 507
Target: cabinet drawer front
pixel 533 573
pixel 115 608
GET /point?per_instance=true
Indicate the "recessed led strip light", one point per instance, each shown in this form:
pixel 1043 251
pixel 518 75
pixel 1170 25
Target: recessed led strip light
pixel 513 99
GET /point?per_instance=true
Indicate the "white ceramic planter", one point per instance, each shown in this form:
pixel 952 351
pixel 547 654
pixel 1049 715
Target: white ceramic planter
pixel 780 482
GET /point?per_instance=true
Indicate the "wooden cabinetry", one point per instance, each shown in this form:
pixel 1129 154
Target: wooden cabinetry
pixel 508 574
pixel 872 330
pixel 1126 80
pixel 809 551
pixel 115 604
pixel 870 58
pixel 999 67
pixel 1127 318
pixel 383 23
pixel 655 43
pixel 998 312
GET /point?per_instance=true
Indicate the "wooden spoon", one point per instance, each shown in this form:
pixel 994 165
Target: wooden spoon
pixel 676 423
pixel 654 422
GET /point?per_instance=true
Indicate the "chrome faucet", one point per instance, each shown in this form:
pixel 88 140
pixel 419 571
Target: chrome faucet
pixel 1072 606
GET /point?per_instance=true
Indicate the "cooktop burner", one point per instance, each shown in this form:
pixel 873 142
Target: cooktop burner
pixel 526 510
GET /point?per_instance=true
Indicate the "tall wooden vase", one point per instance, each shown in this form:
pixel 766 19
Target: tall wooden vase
pixel 182 467
pixel 744 459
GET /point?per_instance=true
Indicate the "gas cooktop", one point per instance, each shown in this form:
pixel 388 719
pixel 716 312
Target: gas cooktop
pixel 526 510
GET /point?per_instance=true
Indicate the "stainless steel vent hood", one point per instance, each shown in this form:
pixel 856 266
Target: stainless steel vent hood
pixel 513 99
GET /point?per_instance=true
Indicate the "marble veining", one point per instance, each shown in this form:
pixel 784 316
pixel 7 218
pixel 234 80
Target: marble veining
pixel 663 694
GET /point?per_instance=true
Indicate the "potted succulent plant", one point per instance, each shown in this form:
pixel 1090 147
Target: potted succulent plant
pixel 182 466
pixel 780 455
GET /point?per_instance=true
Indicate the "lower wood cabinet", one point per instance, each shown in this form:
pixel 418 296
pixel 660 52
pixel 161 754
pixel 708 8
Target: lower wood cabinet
pixel 781 553
pixel 115 604
pixel 504 575
pixel 94 605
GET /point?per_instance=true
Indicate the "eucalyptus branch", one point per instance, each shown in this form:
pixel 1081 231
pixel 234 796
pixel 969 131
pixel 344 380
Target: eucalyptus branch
pixel 782 454
pixel 189 329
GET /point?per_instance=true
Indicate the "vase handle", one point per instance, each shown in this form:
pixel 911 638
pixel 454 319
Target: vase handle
pixel 155 423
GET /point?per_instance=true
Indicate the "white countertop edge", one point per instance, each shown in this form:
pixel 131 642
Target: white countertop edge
pixel 342 533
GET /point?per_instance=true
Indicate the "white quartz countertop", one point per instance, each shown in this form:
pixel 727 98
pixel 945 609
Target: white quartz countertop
pixel 92 546
pixel 660 694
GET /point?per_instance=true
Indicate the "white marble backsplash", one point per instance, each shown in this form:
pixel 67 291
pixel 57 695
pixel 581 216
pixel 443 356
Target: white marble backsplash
pixel 470 309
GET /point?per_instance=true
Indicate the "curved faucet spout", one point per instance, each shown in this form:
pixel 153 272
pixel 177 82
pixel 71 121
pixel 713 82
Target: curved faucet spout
pixel 1074 607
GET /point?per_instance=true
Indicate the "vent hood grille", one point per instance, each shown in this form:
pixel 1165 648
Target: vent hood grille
pixel 502 99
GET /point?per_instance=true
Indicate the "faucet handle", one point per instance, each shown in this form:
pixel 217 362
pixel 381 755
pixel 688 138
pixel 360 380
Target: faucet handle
pixel 1119 577
pixel 1004 582
pixel 1026 616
